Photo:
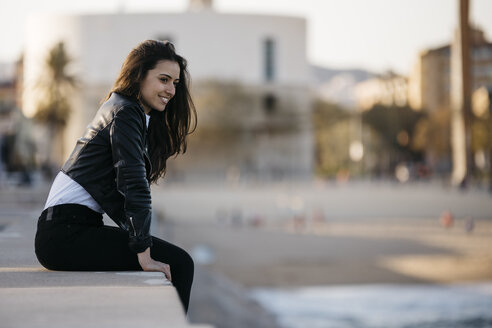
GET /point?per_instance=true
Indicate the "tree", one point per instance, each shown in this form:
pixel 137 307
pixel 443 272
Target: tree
pixel 396 127
pixel 331 124
pixel 53 110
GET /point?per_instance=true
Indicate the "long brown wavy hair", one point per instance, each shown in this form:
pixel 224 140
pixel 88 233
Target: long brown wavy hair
pixel 168 129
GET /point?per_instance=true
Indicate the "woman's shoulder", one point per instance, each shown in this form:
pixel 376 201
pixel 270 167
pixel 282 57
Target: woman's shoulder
pixel 120 101
pixel 121 105
pixel 119 108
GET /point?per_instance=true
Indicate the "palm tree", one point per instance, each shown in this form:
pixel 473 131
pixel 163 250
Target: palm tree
pixel 53 110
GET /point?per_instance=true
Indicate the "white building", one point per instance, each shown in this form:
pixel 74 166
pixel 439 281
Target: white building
pixel 261 58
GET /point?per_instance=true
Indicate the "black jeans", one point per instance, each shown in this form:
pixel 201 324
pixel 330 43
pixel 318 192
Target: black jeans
pixel 72 237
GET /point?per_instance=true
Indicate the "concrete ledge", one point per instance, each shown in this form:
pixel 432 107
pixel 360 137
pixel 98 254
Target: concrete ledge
pixel 40 277
pixel 40 298
pixel 90 307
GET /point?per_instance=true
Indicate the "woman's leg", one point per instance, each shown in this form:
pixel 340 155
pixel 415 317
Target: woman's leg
pixel 181 263
pixel 76 247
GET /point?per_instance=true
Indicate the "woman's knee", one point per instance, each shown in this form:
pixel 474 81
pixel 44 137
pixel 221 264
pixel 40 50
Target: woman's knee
pixel 165 251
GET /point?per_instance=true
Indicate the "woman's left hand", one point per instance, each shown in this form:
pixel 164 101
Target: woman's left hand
pixel 149 264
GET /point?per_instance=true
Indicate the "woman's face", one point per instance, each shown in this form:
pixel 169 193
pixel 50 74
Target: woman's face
pixel 159 85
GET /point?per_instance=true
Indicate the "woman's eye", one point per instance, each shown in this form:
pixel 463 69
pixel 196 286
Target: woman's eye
pixel 164 80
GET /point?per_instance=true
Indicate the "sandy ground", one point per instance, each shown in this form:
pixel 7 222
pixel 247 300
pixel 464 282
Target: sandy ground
pixel 464 254
pixel 341 253
pixel 242 238
pixel 232 259
pixel 348 235
pixel 294 237
pixel 235 259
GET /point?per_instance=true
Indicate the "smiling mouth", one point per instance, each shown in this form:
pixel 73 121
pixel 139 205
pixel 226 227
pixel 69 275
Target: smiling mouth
pixel 164 100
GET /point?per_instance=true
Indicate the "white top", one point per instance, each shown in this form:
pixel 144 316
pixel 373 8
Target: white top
pixel 66 191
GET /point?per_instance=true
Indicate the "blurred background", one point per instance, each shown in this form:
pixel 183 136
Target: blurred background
pixel 343 150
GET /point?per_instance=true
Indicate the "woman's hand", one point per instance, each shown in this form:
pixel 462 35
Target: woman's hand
pixel 148 264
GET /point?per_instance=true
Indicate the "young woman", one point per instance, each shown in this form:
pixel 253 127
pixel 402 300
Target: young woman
pixel 144 121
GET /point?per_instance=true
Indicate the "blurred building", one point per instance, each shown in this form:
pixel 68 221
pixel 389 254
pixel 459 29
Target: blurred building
pixel 250 83
pixel 16 143
pixel 7 103
pixel 430 81
pixel 8 84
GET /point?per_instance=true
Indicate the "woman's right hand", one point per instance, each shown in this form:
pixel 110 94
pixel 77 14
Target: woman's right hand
pixel 148 264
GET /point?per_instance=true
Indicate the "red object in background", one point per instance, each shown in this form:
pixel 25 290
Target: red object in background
pixel 446 219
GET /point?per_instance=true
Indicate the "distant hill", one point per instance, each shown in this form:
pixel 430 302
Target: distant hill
pixel 338 85
pixel 322 74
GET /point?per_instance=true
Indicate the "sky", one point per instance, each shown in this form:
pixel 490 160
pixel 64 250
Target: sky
pixel 376 35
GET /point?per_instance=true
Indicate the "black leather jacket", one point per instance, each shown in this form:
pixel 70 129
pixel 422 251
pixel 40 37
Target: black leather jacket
pixel 111 163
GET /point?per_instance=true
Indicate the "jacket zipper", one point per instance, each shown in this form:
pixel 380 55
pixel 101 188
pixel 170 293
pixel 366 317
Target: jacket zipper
pixel 134 231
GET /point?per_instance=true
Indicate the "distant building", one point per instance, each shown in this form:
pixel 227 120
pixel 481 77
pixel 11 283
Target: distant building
pixel 16 142
pixel 482 61
pixel 250 76
pixel 430 81
pixel 8 84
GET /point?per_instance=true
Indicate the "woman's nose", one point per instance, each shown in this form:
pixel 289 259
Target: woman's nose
pixel 171 90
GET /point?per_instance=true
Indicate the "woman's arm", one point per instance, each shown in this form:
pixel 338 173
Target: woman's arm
pixel 127 145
